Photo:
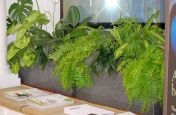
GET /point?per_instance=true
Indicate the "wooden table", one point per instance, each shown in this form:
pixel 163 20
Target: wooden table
pixel 27 110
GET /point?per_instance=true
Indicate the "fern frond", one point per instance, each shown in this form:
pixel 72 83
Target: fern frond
pixel 71 60
pixel 143 78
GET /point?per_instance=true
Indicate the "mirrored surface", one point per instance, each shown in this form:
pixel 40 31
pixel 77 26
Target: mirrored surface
pixel 112 10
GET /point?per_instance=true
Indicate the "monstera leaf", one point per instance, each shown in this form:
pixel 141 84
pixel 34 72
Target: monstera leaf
pixel 20 10
pixel 10 22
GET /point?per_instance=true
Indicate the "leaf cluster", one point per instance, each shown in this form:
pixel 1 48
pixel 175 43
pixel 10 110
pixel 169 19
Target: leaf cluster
pixel 143 78
pixel 134 50
pixel 140 57
pixel 71 57
pixel 31 41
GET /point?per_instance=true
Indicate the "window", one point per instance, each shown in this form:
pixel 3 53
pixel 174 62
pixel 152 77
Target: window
pixel 112 10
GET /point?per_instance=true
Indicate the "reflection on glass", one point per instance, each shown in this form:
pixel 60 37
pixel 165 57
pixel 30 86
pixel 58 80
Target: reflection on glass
pixel 112 10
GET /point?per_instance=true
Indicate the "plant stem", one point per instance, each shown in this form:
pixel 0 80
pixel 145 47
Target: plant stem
pixel 51 18
pixel 38 10
pixel 53 21
pixel 38 5
pixel 54 16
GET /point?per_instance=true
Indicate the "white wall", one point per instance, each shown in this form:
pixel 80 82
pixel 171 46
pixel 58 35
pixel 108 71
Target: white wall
pixel 43 4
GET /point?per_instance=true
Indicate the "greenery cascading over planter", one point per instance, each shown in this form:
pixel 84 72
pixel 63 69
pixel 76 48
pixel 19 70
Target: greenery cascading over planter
pixel 140 58
pixel 133 50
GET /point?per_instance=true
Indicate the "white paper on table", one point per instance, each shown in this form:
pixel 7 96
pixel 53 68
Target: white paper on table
pixel 86 109
pixel 126 113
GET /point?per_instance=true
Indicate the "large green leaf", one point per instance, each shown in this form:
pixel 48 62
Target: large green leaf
pixel 73 16
pixel 10 22
pixel 14 28
pixel 40 37
pixel 28 58
pixel 21 29
pixel 22 42
pixel 20 10
pixel 12 51
pixel 15 66
pixel 34 18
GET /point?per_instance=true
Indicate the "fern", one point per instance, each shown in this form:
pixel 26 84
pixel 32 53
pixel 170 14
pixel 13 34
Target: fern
pixel 71 59
pixel 103 58
pixel 139 53
pixel 143 78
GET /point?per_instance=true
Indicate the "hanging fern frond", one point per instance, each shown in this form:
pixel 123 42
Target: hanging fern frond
pixel 71 57
pixel 140 58
pixel 143 78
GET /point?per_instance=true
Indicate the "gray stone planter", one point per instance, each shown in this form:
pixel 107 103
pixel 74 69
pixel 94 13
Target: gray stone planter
pixel 107 90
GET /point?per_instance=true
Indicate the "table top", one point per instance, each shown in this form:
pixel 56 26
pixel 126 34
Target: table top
pixel 27 110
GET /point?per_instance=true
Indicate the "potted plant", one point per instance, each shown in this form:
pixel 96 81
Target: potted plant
pixel 134 50
pixel 140 56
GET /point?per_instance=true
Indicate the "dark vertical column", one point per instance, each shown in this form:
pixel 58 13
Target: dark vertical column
pixel 61 9
pixel 74 93
pixel 170 60
pixel 161 6
pixel 165 106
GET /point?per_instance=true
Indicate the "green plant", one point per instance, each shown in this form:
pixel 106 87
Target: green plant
pixel 71 59
pixel 31 44
pixel 140 60
pixel 28 48
pixel 134 50
pixel 20 10
pixel 73 16
pixel 77 43
pixel 143 77
pixel 103 58
pixel 69 24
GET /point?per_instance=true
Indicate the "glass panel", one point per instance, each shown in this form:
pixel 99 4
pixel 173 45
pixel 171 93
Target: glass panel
pixel 112 10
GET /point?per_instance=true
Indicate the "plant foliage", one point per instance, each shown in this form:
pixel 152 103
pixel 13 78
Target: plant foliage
pixel 103 59
pixel 28 47
pixel 73 16
pixel 143 78
pixel 20 10
pixel 69 23
pixel 134 50
pixel 140 58
pixel 71 59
